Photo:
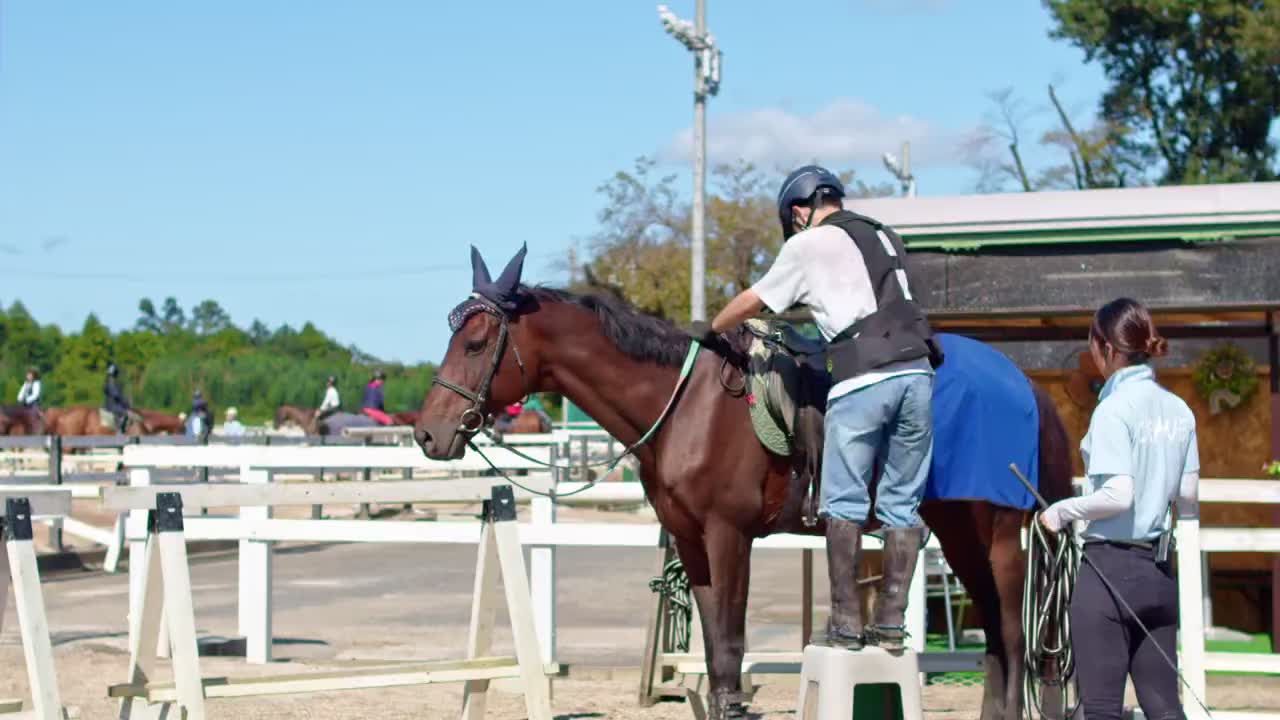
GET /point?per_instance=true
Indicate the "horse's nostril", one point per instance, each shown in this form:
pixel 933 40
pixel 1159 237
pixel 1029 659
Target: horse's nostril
pixel 422 436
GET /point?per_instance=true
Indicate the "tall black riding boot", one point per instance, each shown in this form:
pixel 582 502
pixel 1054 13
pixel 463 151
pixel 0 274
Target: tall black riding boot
pixel 901 549
pixel 844 542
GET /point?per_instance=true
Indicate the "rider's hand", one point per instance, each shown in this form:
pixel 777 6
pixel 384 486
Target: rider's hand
pixel 701 331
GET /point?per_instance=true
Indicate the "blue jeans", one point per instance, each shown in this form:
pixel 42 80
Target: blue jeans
pixel 890 422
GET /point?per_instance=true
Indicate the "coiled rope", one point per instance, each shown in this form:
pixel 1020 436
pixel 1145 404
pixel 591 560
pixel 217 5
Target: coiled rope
pixel 1052 563
pixel 673 584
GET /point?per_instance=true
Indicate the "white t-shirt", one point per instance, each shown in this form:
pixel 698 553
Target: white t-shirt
pixel 822 268
pixel 330 401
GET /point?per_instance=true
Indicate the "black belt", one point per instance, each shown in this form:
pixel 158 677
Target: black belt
pixel 1127 544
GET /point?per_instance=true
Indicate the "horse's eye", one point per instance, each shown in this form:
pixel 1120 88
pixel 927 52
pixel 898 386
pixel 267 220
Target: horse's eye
pixel 473 347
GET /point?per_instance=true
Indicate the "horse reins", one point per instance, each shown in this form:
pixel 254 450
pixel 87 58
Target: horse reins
pixel 481 394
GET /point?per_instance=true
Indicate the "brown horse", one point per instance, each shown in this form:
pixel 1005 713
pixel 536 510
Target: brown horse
pixel 408 418
pixel 529 422
pixel 77 420
pixel 155 422
pixel 303 418
pixel 20 420
pixel 81 420
pixel 711 483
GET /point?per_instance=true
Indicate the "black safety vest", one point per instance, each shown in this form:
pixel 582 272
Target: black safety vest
pixel 898 330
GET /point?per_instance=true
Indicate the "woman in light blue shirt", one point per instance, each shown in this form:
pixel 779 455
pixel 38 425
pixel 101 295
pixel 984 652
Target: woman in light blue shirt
pixel 1140 458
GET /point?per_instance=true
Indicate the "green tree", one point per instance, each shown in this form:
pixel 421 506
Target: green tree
pixel 83 361
pixel 174 318
pixel 1198 82
pixel 208 318
pixel 162 362
pixel 148 319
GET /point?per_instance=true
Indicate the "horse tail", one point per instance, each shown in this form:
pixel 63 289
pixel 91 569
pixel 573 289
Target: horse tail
pixel 1055 449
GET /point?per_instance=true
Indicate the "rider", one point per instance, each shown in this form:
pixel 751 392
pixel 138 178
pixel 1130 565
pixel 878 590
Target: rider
pixel 113 399
pixel 330 404
pixel 232 426
pixel 29 394
pixel 848 270
pixel 508 418
pixel 372 402
pixel 201 419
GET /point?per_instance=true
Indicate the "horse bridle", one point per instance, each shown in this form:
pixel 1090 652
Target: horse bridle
pixel 475 418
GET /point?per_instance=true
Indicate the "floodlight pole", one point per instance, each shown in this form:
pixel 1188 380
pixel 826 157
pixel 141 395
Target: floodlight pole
pixel 698 237
pixel 706 82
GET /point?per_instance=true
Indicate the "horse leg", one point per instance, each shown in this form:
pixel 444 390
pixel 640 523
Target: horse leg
pixel 1009 568
pixel 966 548
pixel 722 606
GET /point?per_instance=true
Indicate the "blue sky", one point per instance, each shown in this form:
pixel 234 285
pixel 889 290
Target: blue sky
pixel 332 161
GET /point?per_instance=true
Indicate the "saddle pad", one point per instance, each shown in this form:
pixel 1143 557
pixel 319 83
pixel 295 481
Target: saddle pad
pixel 984 418
pixel 769 403
pixel 106 418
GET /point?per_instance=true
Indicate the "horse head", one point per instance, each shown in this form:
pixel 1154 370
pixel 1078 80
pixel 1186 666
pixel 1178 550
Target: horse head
pixel 483 370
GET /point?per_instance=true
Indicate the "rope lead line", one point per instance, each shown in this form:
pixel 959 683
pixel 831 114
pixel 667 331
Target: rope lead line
pixel 673 584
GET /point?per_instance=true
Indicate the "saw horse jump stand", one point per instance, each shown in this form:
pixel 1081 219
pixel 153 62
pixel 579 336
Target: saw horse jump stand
pixel 167 600
pixel 18 563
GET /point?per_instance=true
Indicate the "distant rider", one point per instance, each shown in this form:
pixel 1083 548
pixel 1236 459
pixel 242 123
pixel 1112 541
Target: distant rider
pixel 200 421
pixel 372 402
pixel 331 402
pixel 29 394
pixel 113 399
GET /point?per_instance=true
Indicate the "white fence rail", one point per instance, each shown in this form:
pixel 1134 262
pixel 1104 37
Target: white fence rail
pixel 256 530
pixel 1192 542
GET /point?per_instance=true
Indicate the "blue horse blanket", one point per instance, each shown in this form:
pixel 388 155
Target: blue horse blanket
pixel 984 418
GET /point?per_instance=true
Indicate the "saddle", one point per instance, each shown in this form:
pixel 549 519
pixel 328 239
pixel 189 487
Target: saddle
pixel 787 385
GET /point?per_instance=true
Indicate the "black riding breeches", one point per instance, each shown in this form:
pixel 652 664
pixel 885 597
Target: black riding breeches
pixel 1109 644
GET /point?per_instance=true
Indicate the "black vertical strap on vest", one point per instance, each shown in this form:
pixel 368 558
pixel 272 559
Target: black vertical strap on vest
pixel 17 519
pixel 897 331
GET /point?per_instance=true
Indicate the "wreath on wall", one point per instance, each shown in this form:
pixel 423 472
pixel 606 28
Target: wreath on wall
pixel 1225 377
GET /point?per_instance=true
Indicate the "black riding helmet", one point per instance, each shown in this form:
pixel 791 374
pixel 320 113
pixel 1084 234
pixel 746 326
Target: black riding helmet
pixel 805 186
pixel 112 370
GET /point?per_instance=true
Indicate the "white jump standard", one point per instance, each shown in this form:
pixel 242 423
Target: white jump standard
pixel 18 563
pixel 166 599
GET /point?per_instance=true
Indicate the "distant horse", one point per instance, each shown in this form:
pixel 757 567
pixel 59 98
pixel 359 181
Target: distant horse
pixel 528 422
pixel 20 420
pixel 336 423
pixel 81 420
pixel 408 418
pixel 302 418
pixel 333 424
pixel 155 422
pixel 711 483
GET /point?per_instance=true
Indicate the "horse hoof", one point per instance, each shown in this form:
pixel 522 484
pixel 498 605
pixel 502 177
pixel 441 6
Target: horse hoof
pixel 726 705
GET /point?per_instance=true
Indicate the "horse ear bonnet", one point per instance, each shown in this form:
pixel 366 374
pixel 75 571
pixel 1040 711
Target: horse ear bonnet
pixel 504 293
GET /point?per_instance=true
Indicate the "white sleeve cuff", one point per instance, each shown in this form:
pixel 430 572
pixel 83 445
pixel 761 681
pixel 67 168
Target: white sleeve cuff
pixel 1114 497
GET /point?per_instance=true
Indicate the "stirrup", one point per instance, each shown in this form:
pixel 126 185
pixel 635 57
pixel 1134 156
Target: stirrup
pixel 893 635
pixel 847 640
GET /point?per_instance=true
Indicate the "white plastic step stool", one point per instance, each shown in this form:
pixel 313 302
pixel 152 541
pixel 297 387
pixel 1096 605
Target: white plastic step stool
pixel 829 675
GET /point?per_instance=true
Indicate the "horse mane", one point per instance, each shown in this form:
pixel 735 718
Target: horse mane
pixel 638 335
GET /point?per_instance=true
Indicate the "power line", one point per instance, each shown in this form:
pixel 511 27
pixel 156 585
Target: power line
pixel 151 276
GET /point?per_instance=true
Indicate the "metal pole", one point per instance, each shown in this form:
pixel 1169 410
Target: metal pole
pixel 698 294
